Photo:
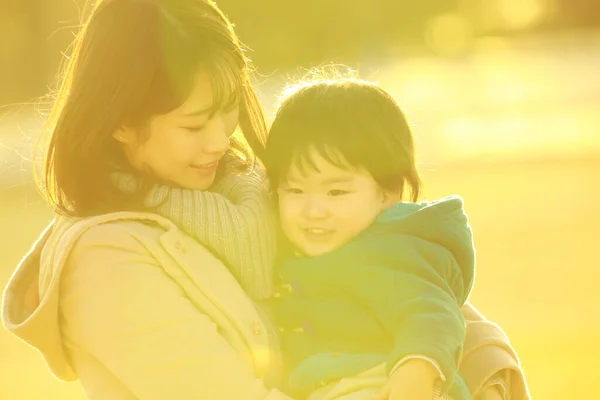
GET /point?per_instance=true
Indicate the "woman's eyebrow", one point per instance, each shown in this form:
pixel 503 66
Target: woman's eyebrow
pixel 200 113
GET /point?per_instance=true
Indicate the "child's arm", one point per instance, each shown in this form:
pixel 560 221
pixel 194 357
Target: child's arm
pixel 234 220
pixel 427 326
pixel 416 306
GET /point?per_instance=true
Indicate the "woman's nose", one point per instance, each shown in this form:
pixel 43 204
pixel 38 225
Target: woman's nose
pixel 217 140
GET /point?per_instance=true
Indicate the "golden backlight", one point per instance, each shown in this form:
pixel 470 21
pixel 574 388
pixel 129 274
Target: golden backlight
pixel 510 123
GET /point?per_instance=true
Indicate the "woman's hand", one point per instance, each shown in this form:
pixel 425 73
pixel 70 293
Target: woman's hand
pixel 413 380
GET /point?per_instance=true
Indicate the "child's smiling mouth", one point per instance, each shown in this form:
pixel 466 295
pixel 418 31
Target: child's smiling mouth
pixel 317 234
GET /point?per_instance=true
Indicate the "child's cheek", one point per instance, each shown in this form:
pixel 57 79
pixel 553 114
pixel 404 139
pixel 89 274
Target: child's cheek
pixel 287 213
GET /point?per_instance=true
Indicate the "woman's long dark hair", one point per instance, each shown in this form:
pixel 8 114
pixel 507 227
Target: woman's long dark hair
pixel 134 59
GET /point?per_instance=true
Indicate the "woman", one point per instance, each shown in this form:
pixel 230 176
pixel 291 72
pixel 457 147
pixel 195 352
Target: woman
pixel 151 96
pixel 113 294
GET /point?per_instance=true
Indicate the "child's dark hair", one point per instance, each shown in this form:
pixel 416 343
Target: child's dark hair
pixel 351 123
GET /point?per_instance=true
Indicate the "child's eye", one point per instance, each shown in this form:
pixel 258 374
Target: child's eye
pixel 338 192
pixel 294 191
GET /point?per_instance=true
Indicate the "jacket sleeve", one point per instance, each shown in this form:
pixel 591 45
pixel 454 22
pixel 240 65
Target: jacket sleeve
pixel 415 306
pixel 427 323
pixel 119 306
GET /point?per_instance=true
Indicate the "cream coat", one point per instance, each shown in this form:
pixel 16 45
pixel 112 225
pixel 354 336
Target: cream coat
pixel 133 308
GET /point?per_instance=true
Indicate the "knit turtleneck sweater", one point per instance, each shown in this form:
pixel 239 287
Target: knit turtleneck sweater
pixel 233 218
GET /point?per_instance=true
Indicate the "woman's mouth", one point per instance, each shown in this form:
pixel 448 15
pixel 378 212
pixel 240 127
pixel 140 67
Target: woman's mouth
pixel 206 169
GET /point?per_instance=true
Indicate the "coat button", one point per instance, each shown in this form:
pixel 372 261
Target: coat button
pixel 296 286
pixel 308 327
pixel 256 329
pixel 324 382
pixel 180 247
pixel 286 288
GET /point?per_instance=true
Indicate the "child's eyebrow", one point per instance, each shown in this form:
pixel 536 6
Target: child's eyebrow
pixel 346 179
pixel 328 181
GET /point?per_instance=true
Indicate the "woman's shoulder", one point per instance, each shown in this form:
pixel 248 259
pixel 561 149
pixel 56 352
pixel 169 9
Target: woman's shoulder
pixel 121 236
pixel 108 247
pixel 111 226
pixel 131 231
pixel 117 233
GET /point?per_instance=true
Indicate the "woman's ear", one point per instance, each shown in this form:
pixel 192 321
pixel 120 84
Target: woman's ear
pixel 125 135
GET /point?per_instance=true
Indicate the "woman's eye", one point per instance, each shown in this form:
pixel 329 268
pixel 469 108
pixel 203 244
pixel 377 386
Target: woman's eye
pixel 194 129
pixel 338 192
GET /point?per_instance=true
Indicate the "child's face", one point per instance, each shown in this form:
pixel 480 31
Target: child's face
pixel 322 210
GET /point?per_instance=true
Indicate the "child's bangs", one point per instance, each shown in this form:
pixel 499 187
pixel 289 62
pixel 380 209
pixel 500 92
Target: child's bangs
pixel 305 159
pixel 306 141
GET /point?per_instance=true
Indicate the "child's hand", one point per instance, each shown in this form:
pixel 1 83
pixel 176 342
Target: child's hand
pixel 490 393
pixel 414 380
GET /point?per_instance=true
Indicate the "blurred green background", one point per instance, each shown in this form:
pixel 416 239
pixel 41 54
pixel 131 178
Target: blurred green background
pixel 504 96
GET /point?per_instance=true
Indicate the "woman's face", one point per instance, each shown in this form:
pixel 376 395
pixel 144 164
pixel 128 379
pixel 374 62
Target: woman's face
pixel 184 146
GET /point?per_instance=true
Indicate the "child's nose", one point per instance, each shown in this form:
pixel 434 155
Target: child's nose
pixel 316 208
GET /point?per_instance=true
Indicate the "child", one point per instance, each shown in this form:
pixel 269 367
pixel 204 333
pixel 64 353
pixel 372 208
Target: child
pixel 370 280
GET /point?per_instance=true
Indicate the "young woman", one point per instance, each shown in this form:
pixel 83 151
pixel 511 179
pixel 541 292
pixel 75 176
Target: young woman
pixel 113 294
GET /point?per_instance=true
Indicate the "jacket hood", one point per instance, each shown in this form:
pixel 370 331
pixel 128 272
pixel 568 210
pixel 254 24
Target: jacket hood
pixel 30 306
pixel 442 222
